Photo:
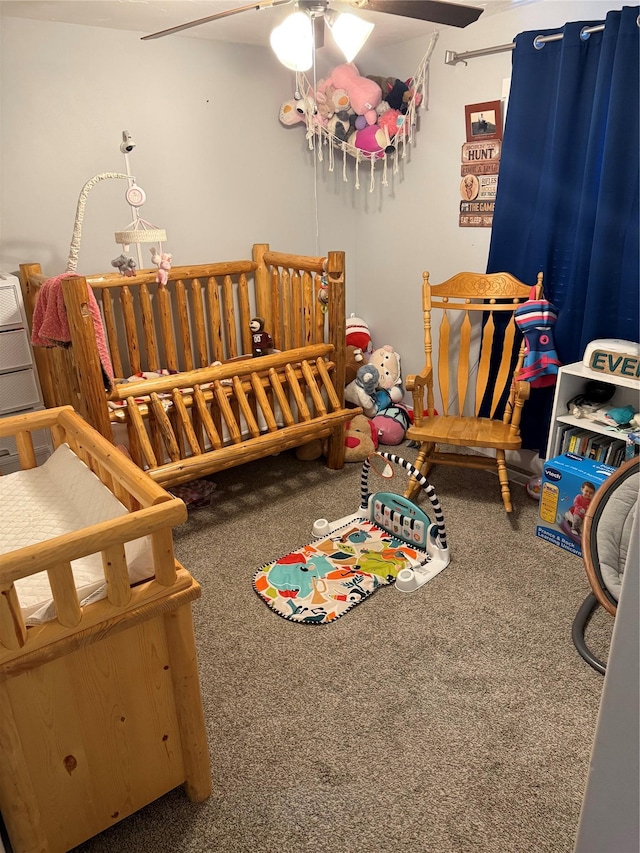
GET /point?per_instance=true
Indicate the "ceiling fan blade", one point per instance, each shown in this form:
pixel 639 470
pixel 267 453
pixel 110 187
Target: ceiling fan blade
pixel 262 4
pixel 438 11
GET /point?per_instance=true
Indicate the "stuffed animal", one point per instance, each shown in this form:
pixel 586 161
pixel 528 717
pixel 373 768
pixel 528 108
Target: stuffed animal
pixel 372 139
pixel 124 265
pixel 358 334
pixel 163 262
pixel 360 439
pixel 354 360
pixel 387 361
pixel 289 113
pixel 364 94
pixel 361 391
pixel 391 424
pixel 261 341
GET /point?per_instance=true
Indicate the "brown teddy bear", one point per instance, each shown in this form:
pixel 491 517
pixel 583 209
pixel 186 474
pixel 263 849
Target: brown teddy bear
pixel 361 439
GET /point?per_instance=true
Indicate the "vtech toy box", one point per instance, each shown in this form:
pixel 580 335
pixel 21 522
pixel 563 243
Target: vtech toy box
pixel 569 482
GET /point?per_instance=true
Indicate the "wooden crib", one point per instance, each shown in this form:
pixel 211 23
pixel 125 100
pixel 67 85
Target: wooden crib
pixel 100 708
pixel 219 407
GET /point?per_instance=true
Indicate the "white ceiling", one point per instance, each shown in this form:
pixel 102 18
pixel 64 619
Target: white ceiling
pixel 250 27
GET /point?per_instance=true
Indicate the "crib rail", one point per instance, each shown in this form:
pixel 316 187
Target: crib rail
pixel 153 512
pixel 207 420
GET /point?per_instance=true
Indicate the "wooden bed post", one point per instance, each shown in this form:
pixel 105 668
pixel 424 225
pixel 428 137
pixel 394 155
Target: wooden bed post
pixel 87 359
pixel 337 333
pixel 45 376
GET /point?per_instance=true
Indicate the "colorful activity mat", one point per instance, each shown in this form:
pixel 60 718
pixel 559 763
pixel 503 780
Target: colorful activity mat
pixel 388 537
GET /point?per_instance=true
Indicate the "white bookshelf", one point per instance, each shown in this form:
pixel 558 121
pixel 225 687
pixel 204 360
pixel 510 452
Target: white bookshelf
pixel 572 379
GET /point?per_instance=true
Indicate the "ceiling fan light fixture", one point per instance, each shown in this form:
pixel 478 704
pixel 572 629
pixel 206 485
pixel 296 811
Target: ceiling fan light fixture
pixel 349 32
pixel 292 42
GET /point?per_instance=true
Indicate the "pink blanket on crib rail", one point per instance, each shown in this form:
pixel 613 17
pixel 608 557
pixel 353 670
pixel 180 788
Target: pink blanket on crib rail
pixel 51 325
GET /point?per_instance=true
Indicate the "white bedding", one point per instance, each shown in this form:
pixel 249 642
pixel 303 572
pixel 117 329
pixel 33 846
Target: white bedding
pixel 58 497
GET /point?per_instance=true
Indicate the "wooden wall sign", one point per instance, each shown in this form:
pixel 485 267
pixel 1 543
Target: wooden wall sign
pixel 480 164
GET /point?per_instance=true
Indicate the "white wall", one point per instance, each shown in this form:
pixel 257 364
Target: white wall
pixel 219 169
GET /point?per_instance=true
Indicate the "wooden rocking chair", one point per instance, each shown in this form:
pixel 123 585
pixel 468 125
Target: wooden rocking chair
pixel 477 316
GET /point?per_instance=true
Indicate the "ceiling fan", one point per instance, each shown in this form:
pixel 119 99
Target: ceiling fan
pixel 437 11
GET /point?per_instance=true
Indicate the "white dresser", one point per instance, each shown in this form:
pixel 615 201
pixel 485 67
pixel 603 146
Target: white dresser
pixel 19 387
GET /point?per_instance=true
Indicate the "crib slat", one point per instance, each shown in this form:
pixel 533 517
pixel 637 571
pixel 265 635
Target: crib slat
pixel 229 317
pixel 111 331
pixel 13 633
pixel 137 423
pixel 296 390
pixel 198 322
pixel 245 408
pixel 185 421
pixel 312 385
pixel 163 556
pixel 227 412
pixel 276 314
pixel 286 300
pixel 207 420
pixel 155 436
pixel 215 325
pixel 297 309
pixel 281 397
pixel 26 452
pixel 148 328
pixel 63 588
pixel 263 402
pixel 328 384
pixel 314 333
pixel 164 425
pixel 245 313
pixel 166 325
pixel 131 331
pixel 114 563
pixel 183 320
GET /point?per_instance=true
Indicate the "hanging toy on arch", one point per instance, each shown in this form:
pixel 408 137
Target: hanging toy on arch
pixel 536 318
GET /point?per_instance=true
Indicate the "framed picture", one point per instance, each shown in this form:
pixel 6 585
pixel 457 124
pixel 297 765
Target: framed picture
pixel 483 121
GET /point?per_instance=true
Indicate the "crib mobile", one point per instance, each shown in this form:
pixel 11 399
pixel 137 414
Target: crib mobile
pixel 138 232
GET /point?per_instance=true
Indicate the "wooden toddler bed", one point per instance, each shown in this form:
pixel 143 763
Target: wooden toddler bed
pixel 100 706
pixel 218 407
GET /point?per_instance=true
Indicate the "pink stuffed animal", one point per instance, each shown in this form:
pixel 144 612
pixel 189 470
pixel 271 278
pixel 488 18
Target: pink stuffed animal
pixel 163 262
pixel 364 94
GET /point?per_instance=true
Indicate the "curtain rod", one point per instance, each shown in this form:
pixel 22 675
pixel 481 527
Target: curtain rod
pixel 452 58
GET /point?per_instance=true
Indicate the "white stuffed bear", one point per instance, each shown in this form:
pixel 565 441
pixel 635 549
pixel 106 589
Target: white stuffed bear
pixel 361 391
pixel 387 362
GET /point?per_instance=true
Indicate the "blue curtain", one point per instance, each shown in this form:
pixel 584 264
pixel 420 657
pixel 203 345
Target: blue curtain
pixel 567 199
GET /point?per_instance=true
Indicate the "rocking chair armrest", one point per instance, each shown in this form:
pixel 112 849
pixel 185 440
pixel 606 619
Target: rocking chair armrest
pixel 418 381
pixel 522 390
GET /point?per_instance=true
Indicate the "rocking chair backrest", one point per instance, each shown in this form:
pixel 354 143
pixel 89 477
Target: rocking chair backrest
pixel 477 329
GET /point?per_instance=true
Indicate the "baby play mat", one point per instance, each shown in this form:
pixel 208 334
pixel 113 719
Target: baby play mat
pixel 322 581
pixel 389 540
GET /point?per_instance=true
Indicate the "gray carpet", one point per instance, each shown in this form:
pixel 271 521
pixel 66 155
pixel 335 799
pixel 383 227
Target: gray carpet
pixel 456 718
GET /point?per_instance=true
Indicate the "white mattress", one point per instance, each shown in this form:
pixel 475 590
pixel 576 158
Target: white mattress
pixel 60 496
